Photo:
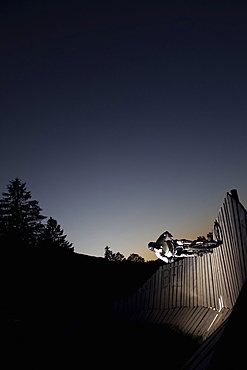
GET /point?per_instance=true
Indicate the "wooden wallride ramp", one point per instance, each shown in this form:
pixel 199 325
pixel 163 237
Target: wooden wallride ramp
pixel 196 294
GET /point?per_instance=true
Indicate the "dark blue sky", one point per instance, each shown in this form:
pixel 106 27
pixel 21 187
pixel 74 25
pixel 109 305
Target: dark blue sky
pixel 125 118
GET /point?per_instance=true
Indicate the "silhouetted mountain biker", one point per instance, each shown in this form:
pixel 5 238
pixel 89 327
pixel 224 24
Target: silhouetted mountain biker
pixel 168 250
pixel 164 247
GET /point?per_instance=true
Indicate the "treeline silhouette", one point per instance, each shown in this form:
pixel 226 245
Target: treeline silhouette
pixel 56 303
pixel 21 221
pixel 119 257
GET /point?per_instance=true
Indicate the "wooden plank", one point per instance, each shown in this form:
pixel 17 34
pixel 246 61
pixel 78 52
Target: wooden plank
pixel 151 292
pixel 217 272
pixel 214 278
pixel 199 281
pixel 171 284
pixel 149 317
pixel 159 316
pixel 208 323
pixel 163 316
pixel 174 286
pixel 142 315
pixel 235 246
pixel 193 314
pixel 243 226
pixel 216 268
pixel 167 314
pixel 243 223
pixel 173 314
pixel 177 297
pixel 236 256
pixel 207 284
pixel 153 316
pixel 162 298
pixel 188 317
pixel 139 297
pixel 196 278
pixel 183 291
pixel 236 210
pixel 158 291
pixel 187 282
pixel 197 320
pixel 179 316
pixel 226 254
pixel 191 282
pixel 179 283
pixel 226 278
pixel 166 286
pixel 146 295
pixel 210 281
pixel 204 283
pixel 146 315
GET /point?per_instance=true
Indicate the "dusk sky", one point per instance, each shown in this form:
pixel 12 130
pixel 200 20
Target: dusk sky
pixel 125 118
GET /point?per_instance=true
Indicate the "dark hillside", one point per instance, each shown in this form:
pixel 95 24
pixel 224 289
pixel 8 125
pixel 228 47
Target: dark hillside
pixel 57 306
pixel 55 288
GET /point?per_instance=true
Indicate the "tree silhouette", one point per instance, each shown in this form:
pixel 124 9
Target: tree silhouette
pixel 52 236
pixel 114 257
pixel 108 254
pixel 20 218
pixel 118 257
pixel 135 258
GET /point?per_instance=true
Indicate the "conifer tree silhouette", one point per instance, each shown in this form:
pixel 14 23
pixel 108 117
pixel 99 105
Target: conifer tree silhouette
pixel 20 217
pixel 52 236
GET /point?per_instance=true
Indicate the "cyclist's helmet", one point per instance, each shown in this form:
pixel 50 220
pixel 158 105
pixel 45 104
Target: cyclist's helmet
pixel 151 246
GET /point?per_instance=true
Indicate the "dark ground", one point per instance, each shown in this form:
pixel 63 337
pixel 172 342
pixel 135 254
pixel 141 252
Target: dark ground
pixel 56 308
pixel 230 351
